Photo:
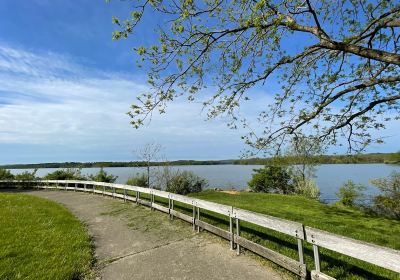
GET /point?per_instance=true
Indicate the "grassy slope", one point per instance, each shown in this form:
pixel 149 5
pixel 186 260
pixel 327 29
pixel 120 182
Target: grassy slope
pixel 40 239
pixel 344 221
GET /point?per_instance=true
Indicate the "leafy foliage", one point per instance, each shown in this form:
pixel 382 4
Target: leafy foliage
pixel 6 174
pixel 302 156
pixel 340 82
pixel 66 174
pixel 26 176
pixel 350 192
pixel 103 176
pixel 393 158
pixel 271 179
pixel 306 187
pixel 388 203
pixel 139 180
pixel 186 182
pixel 162 176
pixel 148 153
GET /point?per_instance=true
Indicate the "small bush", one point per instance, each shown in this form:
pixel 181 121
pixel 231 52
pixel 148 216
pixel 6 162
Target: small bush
pixel 26 176
pixel 139 180
pixel 307 188
pixel 6 175
pixel 350 192
pixel 271 179
pixel 186 182
pixel 66 174
pixel 388 203
pixel 103 176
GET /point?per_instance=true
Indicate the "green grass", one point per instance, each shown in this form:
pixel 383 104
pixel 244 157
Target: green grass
pixel 333 218
pixel 40 239
pixel 340 220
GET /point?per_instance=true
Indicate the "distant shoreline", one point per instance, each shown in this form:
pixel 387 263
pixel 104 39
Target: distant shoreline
pixel 386 158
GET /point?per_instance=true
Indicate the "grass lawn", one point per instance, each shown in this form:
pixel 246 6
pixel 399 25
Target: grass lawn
pixel 40 239
pixel 335 219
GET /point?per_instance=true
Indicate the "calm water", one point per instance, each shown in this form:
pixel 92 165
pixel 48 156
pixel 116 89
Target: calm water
pixel 329 177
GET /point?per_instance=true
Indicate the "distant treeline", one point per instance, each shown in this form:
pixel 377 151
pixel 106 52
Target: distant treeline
pixel 112 164
pixel 390 158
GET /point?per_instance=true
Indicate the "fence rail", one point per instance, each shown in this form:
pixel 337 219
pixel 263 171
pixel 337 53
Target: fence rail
pixel 377 255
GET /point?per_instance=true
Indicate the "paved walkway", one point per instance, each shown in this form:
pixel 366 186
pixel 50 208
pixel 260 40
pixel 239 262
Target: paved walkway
pixel 133 242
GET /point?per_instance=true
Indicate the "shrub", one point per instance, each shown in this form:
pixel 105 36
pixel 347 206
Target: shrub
pixel 6 175
pixel 350 192
pixel 103 176
pixel 66 174
pixel 388 203
pixel 271 179
pixel 186 182
pixel 306 187
pixel 139 180
pixel 162 177
pixel 26 176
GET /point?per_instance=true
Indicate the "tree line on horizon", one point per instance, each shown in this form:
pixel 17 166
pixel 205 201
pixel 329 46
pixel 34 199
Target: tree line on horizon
pixel 389 158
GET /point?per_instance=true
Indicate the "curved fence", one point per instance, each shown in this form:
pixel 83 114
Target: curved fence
pixel 377 255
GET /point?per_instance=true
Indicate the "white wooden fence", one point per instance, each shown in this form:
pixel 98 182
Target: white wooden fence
pixel 377 255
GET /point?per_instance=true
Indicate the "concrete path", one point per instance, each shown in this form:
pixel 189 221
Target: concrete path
pixel 133 242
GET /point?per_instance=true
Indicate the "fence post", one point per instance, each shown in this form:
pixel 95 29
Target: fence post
pixel 113 192
pixel 169 206
pixel 151 200
pixel 75 187
pixel 316 258
pixel 198 218
pixel 194 216
pixel 93 188
pixel 66 186
pixel 104 190
pixel 237 234
pixel 301 251
pixel 231 227
pixel 172 208
pixel 124 194
pixel 84 187
pixel 301 256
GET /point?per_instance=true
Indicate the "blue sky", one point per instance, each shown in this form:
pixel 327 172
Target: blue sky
pixel 65 87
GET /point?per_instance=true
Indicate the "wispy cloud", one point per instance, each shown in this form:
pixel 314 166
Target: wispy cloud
pixel 53 102
pixel 18 61
pixel 50 99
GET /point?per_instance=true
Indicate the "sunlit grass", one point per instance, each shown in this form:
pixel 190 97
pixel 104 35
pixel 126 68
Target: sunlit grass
pixel 40 239
pixel 335 219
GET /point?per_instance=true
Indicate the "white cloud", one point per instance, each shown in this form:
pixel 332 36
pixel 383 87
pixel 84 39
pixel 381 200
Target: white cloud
pixel 54 101
pixel 17 61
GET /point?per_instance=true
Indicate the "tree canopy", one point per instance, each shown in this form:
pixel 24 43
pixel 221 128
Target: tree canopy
pixel 337 64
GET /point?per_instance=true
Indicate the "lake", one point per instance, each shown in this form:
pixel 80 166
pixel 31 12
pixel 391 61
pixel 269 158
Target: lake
pixel 329 177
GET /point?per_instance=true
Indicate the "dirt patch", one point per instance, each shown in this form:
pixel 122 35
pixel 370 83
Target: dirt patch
pixel 231 192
